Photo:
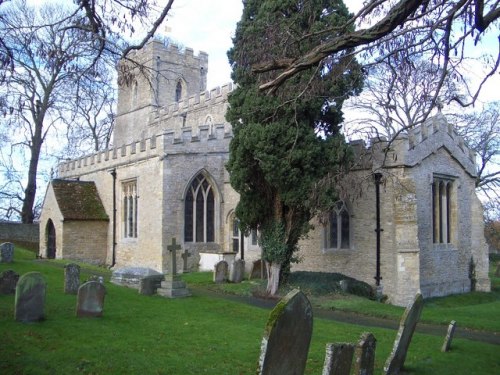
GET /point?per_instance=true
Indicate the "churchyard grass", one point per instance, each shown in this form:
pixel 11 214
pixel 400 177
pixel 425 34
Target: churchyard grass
pixel 200 334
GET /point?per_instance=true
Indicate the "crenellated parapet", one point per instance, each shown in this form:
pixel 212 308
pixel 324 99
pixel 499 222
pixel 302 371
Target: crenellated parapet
pixel 411 148
pixel 205 139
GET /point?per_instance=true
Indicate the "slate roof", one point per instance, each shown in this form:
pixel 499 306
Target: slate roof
pixel 79 200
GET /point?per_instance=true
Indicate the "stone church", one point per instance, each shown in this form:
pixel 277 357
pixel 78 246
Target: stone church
pixel 412 224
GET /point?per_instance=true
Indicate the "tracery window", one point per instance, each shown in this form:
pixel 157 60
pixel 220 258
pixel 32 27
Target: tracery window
pixel 441 209
pixel 337 233
pixel 199 211
pixel 129 216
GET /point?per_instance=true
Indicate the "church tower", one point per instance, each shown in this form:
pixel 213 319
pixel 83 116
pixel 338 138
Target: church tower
pixel 156 76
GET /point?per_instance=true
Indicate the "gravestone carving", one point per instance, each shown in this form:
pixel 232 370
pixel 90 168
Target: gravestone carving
pixel 221 272
pixel 338 359
pixel 365 355
pixel 30 298
pixel 237 271
pixel 449 336
pixel 6 252
pixel 409 320
pixel 90 301
pixel 71 278
pixel 8 282
pixel 287 336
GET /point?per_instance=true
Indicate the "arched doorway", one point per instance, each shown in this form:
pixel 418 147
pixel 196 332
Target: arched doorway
pixel 51 240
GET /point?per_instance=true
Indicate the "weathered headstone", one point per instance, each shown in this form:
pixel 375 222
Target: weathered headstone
pixel 131 276
pixel 173 286
pixel 8 282
pixel 30 298
pixel 497 271
pixel 221 272
pixel 90 301
pixel 287 336
pixel 150 284
pixel 449 336
pixel 364 362
pixel 6 252
pixel 409 321
pixel 185 255
pixel 237 271
pixel 338 359
pixel 71 278
pixel 258 270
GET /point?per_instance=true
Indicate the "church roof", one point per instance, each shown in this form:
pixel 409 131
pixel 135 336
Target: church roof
pixel 78 200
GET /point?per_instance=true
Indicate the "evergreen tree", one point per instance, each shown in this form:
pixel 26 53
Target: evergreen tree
pixel 287 148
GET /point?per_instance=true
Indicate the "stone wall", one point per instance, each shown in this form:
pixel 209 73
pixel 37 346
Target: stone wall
pixel 24 234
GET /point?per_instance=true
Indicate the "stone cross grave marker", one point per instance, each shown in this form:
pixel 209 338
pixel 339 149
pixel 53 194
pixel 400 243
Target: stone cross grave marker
pixel 173 256
pixel 449 336
pixel 287 336
pixel 71 278
pixel 407 326
pixel 30 298
pixel 6 252
pixel 221 269
pixel 90 301
pixel 338 359
pixel 185 255
pixel 365 355
pixel 8 282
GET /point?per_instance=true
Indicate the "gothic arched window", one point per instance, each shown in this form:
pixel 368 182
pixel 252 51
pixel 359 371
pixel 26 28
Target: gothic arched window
pixel 178 91
pixel 442 197
pixel 337 234
pixel 199 211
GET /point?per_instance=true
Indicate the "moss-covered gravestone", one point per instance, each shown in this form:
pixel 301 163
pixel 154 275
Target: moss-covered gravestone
pixel 30 298
pixel 365 354
pixel 286 340
pixel 71 278
pixel 338 359
pixel 90 301
pixel 8 282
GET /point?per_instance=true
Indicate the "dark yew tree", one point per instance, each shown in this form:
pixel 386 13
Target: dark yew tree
pixel 287 149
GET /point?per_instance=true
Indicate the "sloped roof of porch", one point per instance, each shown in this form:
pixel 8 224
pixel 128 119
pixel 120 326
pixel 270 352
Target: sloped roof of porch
pixel 79 200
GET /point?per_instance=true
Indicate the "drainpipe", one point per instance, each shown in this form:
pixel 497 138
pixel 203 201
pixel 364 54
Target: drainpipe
pixel 378 230
pixel 113 259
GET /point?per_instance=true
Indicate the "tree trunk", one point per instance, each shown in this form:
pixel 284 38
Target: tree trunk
pixel 273 278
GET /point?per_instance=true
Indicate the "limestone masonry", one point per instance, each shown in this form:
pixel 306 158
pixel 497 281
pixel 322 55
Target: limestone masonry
pixel 165 177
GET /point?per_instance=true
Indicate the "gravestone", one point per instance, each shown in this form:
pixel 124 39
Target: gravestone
pixel 71 278
pixel 131 276
pixel 221 272
pixel 173 286
pixel 287 336
pixel 237 271
pixel 338 359
pixel 30 298
pixel 6 252
pixel 90 300
pixel 409 321
pixel 497 271
pixel 258 270
pixel 185 255
pixel 365 355
pixel 150 284
pixel 449 336
pixel 8 282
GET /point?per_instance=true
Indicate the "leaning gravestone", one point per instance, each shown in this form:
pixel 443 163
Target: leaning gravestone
pixel 287 336
pixel 30 298
pixel 6 252
pixel 220 272
pixel 365 355
pixel 258 270
pixel 90 301
pixel 237 271
pixel 71 278
pixel 409 321
pixel 338 359
pixel 449 336
pixel 8 282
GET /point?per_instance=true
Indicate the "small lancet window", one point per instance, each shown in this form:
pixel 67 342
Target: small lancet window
pixel 178 92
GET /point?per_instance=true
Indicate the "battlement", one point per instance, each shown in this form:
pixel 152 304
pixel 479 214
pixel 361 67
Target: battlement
pixel 205 139
pixel 158 48
pixel 411 148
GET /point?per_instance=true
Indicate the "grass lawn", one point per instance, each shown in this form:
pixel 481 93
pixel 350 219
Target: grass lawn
pixel 155 335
